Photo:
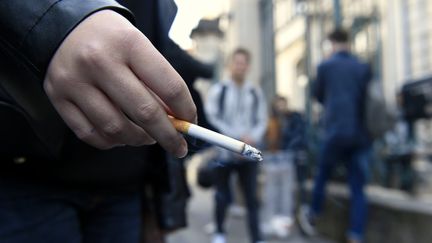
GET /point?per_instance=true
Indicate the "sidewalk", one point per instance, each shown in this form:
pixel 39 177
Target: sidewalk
pixel 200 214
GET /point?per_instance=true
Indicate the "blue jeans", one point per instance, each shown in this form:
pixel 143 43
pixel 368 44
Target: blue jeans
pixel 247 173
pixel 356 159
pixel 42 213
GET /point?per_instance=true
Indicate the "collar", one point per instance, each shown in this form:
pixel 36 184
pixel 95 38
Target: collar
pixel 343 53
pixel 246 84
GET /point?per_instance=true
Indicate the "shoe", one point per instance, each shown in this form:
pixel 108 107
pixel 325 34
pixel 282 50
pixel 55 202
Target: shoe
pixel 218 238
pixel 282 226
pixel 209 228
pixel 237 211
pixel 306 222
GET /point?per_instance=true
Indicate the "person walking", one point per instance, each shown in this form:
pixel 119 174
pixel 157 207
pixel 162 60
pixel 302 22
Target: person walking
pixel 237 109
pixel 341 88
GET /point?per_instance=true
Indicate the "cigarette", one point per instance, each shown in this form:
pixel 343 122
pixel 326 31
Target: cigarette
pixel 216 139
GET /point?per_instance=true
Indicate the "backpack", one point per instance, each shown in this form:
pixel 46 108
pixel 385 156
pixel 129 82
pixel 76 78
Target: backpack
pixel 378 117
pixel 221 102
pixel 206 174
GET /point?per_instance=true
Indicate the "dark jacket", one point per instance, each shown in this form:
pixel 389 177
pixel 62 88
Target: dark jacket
pixel 341 88
pixel 293 132
pixel 190 69
pixel 30 33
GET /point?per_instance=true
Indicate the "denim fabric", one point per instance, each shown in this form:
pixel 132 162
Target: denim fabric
pixel 247 173
pixel 32 213
pixel 278 191
pixel 356 159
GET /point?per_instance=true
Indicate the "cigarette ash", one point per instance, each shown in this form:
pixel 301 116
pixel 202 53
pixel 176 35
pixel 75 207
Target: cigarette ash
pixel 252 153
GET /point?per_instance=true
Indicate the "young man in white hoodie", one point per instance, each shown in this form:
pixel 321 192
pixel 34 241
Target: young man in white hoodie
pixel 237 108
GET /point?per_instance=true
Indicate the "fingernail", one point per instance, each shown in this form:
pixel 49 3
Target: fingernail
pixel 182 150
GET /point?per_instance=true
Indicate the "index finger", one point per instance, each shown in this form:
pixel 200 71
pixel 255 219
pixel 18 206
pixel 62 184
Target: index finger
pixel 160 77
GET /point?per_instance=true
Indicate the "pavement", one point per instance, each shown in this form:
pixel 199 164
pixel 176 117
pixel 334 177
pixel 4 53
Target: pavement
pixel 200 213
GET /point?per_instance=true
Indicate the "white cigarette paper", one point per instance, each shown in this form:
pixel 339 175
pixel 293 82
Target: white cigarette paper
pixel 216 139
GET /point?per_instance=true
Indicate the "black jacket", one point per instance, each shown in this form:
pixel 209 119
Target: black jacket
pixel 190 69
pixel 30 129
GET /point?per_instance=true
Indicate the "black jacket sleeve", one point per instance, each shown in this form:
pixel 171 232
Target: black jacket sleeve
pixel 32 30
pixel 187 66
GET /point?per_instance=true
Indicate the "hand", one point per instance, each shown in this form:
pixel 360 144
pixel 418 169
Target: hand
pixel 112 87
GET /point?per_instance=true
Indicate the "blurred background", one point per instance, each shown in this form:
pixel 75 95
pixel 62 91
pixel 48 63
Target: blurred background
pixel 287 40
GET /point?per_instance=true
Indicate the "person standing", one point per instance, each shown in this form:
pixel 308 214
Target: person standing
pixel 286 147
pixel 237 109
pixel 341 89
pixel 75 116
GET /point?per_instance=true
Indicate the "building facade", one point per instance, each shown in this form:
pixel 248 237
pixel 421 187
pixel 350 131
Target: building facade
pixel 394 36
pixel 287 41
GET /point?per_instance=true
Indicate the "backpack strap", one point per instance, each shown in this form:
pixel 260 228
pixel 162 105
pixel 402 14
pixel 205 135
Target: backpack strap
pixel 255 106
pixel 221 102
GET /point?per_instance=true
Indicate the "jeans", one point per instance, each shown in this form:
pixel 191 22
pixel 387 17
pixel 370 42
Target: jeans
pixel 247 173
pixel 356 159
pixel 45 213
pixel 279 185
pixel 400 167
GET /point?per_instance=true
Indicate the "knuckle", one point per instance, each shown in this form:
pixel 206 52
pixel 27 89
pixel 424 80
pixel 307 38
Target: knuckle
pixel 130 35
pixel 131 38
pixel 54 92
pixel 48 87
pixel 113 129
pixel 84 135
pixel 148 112
pixel 91 55
pixel 91 137
pixel 175 91
pixel 58 76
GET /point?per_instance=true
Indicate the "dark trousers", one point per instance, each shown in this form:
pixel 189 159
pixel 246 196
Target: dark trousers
pixel 247 173
pixel 45 213
pixel 399 172
pixel 356 159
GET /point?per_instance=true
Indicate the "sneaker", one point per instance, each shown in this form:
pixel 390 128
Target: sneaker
pixel 218 238
pixel 306 223
pixel 237 211
pixel 209 228
pixel 282 226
